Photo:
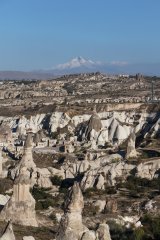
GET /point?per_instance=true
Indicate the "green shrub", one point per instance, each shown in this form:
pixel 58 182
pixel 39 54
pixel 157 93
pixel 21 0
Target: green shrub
pixel 43 199
pixel 90 192
pixel 110 190
pixel 40 193
pixel 63 190
pixel 54 135
pixel 152 225
pixel 5 185
pixel 119 232
pixel 56 180
pixel 90 210
pixel 137 184
pixel 53 218
pixel 139 234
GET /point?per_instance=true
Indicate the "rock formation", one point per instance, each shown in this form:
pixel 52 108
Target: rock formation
pixel 94 126
pixel 36 139
pixel 26 161
pixel 21 206
pixel 100 182
pixel 8 233
pixel 71 227
pixel 131 149
pixel 43 178
pixel 102 232
pixel 111 205
pixel 5 134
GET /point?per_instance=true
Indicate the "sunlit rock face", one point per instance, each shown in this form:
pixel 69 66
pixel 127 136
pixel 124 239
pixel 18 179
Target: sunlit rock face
pixel 21 206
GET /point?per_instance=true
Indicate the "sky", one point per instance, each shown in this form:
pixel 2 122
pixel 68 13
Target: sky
pixel 39 34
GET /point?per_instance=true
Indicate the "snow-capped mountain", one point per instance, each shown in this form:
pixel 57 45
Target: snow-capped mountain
pixel 77 62
pixel 83 65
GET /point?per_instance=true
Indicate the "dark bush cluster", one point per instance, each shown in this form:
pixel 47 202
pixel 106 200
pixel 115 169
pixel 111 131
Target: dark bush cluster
pixel 56 180
pixel 5 185
pixel 139 185
pixel 149 231
pixel 43 198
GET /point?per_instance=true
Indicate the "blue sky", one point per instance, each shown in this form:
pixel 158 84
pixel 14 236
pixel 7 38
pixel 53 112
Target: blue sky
pixel 39 34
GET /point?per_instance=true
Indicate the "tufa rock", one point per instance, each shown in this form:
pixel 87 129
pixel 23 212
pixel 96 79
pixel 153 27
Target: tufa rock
pixel 71 226
pixel 102 232
pixel 21 206
pixel 93 124
pixel 131 149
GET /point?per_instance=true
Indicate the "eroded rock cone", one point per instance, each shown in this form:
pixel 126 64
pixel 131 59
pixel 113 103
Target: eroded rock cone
pixel 94 125
pixel 21 206
pixel 8 233
pixel 26 161
pixel 71 226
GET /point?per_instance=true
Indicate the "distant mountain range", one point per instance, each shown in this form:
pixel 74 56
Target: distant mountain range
pixel 82 65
